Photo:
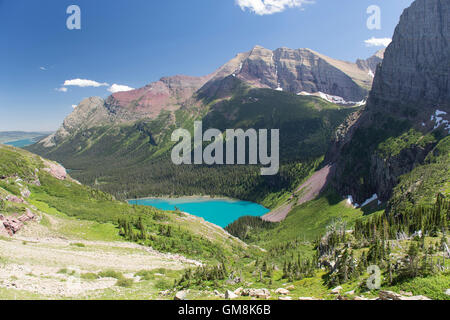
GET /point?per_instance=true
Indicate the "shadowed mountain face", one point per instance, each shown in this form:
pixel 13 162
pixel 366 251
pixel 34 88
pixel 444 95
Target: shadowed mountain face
pixel 417 65
pixel 407 113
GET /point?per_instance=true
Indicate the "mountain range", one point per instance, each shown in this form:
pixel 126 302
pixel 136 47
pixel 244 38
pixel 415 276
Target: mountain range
pixel 317 102
pixel 103 141
pixel 301 71
pixel 364 181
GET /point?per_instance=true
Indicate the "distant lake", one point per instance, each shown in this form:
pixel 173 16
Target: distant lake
pixel 21 143
pixel 218 211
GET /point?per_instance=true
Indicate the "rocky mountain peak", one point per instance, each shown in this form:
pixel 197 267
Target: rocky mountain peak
pixel 300 70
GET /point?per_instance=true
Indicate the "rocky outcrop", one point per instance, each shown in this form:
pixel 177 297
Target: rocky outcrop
pixel 256 293
pixel 181 295
pixel 56 170
pixel 14 199
pixel 389 295
pixel 230 295
pixel 386 171
pixel 282 291
pixel 12 225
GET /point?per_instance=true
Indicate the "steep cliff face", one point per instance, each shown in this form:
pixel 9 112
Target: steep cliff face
pixel 408 108
pixel 416 66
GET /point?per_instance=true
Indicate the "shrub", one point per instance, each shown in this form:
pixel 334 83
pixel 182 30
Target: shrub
pixel 145 274
pixel 90 276
pixel 163 284
pixel 126 283
pixel 111 274
pixel 79 245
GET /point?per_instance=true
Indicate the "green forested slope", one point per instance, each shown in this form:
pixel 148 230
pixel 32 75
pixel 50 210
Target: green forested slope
pixel 164 231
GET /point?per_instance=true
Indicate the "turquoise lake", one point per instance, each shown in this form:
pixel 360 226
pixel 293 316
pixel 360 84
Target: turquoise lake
pixel 218 211
pixel 21 143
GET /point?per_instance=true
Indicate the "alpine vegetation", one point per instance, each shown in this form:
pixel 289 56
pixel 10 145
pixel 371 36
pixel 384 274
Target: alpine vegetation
pixel 235 142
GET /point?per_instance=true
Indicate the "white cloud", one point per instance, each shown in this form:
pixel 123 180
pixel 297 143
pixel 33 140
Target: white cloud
pixel 119 88
pixel 84 83
pixel 74 106
pixel 262 7
pixel 378 42
pixel 43 68
pixel 62 89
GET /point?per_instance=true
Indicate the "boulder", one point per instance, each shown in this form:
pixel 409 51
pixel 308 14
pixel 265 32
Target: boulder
pixel 447 292
pixel 25 193
pixel 238 291
pixel 415 298
pixel 12 225
pixel 336 290
pixel 350 293
pixel 180 295
pixel 28 216
pixel 389 295
pixel 285 298
pixel 282 291
pixel 164 293
pixel 306 299
pixel 291 287
pixel 259 293
pixel 56 170
pixel 14 199
pixel 230 295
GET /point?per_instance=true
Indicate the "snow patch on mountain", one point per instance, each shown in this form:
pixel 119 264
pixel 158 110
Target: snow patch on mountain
pixel 371 199
pixel 351 202
pixel 440 121
pixel 332 99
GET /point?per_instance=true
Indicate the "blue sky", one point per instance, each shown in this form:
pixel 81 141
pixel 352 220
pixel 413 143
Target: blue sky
pixel 135 42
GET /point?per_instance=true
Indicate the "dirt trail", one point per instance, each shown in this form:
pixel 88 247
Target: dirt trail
pixel 33 263
pixel 308 191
